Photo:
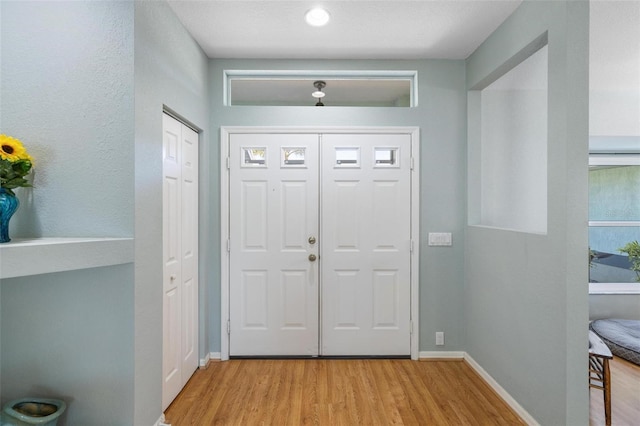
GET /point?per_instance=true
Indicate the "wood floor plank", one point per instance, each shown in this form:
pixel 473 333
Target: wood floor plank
pixel 338 392
pixel 425 401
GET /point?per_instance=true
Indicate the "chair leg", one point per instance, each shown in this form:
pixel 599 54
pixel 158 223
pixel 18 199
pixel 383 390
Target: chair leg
pixel 607 391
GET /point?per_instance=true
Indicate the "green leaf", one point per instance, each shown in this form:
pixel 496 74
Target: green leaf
pixel 22 167
pixel 12 174
pixel 15 183
pixel 5 167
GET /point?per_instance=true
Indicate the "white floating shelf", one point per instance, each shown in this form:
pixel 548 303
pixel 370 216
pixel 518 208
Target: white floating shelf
pixel 23 257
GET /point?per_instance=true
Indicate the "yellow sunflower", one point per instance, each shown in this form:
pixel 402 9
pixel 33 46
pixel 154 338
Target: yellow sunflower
pixel 11 149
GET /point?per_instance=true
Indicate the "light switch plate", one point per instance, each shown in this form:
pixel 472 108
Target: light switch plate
pixel 440 239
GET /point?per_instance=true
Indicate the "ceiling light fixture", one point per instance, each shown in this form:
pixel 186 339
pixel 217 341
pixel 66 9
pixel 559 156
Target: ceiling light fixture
pixel 317 17
pixel 319 94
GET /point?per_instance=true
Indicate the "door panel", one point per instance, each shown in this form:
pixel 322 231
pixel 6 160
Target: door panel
pixel 273 213
pixel 255 306
pixel 366 205
pixel 253 220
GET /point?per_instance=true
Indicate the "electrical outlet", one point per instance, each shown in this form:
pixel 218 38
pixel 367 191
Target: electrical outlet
pixel 439 338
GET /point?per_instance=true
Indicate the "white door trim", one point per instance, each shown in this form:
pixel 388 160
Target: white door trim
pixel 224 217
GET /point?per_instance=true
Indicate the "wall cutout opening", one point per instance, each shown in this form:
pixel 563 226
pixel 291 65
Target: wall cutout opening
pixel 511 153
pixel 341 88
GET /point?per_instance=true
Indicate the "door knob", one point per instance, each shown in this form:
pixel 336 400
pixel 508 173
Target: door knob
pixel 312 257
pixel 312 240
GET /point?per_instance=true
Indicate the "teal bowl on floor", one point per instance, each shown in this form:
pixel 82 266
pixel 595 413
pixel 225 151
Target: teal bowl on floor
pixel 32 411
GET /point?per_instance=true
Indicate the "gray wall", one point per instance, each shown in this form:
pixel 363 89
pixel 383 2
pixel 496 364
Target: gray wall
pixel 67 93
pixel 440 116
pixel 170 70
pixel 626 306
pixel 69 336
pixel 526 294
pixel 513 129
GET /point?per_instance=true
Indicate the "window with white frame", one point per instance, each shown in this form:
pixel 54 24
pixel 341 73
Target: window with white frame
pixel 351 88
pixel 614 223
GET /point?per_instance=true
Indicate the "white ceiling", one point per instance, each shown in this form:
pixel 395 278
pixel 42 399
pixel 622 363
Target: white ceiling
pixel 416 29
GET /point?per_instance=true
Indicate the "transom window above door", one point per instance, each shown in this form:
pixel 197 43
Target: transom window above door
pixel 336 88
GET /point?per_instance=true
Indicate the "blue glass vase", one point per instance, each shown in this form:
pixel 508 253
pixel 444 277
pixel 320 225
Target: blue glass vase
pixel 8 205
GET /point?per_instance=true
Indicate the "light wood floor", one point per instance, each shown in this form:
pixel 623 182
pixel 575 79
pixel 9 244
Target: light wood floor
pixel 625 396
pixel 338 392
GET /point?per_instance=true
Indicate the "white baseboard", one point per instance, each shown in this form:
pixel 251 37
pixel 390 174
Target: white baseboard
pixel 161 421
pixel 204 361
pixel 210 356
pixel 526 417
pixel 441 355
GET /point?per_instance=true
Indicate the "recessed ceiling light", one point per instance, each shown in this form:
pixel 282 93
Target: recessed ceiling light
pixel 317 17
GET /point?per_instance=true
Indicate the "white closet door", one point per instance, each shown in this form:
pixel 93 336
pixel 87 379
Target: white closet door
pixel 172 277
pixel 180 257
pixel 366 222
pixel 273 232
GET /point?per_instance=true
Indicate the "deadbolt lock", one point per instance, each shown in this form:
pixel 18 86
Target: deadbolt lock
pixel 312 257
pixel 312 240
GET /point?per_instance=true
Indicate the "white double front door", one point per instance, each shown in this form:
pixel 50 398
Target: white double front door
pixel 319 244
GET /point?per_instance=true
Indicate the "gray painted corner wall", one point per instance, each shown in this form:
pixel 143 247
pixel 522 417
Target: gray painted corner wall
pixel 69 336
pixel 525 294
pixel 67 93
pixel 440 116
pixel 171 70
